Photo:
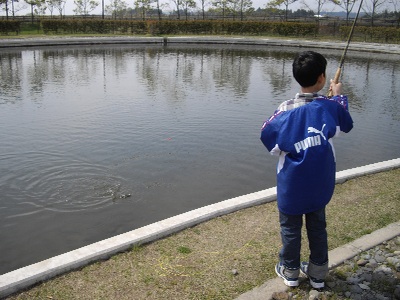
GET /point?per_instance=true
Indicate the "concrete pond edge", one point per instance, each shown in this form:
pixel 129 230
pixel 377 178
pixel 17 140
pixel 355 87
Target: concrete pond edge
pixel 27 42
pixel 25 277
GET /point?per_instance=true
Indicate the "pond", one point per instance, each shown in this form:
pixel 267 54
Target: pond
pixel 100 140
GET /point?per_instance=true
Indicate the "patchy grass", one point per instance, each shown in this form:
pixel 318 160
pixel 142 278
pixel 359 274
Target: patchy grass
pixel 226 256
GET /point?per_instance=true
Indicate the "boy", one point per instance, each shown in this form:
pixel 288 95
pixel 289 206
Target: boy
pixel 300 132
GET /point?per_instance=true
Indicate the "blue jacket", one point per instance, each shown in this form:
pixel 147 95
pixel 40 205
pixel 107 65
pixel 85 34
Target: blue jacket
pixel 300 132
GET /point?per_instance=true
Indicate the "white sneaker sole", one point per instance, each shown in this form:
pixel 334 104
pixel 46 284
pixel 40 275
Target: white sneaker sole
pixel 315 285
pixel 290 283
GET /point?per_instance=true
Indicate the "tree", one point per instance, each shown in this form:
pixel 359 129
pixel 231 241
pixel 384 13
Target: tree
pixel 158 9
pixel 286 3
pixel 116 8
pixel 55 4
pixel 203 5
pixel 270 11
pixel 5 2
pixel 348 5
pixel 222 6
pixel 37 6
pixel 59 5
pixel 320 4
pixel 396 11
pixel 14 8
pixel 246 7
pixel 371 9
pixel 178 4
pixel 233 8
pixel 188 4
pixel 142 6
pixel 84 7
pixel 302 13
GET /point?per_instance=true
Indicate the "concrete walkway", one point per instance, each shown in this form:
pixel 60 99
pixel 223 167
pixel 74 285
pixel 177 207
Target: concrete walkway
pixel 24 277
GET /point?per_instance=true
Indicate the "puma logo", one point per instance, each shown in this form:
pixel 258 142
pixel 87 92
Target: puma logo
pixel 312 129
pixel 311 141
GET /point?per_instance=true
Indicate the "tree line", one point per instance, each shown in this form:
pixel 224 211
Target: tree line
pixel 204 9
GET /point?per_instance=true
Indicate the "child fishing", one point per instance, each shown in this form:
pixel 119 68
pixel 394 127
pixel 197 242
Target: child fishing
pixel 300 133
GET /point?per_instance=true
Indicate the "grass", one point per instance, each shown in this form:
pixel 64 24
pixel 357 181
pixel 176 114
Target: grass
pixel 226 256
pixel 183 249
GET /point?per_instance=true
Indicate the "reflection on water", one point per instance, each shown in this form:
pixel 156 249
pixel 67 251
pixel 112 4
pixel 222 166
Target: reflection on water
pixel 173 128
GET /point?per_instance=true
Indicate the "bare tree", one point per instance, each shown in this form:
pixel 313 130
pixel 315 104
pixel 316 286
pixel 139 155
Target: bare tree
pixel 371 8
pixel 116 8
pixel 143 6
pixel 320 4
pixel 14 7
pixel 239 8
pixel 188 4
pixel 178 4
pixel 59 5
pixel 222 6
pixel 233 8
pixel 348 6
pixel 6 9
pixel 203 10
pixel 37 6
pixel 286 3
pixel 396 12
pixel 84 7
pixel 246 7
pixel 158 9
pixel 51 5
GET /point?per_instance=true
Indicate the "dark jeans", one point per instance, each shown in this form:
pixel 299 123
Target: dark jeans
pixel 291 238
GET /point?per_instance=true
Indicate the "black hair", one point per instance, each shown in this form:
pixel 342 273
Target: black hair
pixel 307 67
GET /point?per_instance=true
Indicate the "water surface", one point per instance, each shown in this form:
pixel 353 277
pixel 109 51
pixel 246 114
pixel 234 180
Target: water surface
pixel 174 127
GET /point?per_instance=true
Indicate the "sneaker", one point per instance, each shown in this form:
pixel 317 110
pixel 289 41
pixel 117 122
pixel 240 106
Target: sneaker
pixel 280 271
pixel 315 283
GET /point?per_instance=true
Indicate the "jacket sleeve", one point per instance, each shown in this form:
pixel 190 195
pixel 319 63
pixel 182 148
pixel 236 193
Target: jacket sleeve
pixel 345 120
pixel 342 100
pixel 269 134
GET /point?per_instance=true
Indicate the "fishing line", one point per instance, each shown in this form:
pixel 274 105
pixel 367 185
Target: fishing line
pixel 339 70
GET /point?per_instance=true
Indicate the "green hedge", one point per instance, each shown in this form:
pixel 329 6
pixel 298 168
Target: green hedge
pixel 166 27
pixel 93 26
pixel 232 27
pixel 7 27
pixel 372 34
pixel 173 27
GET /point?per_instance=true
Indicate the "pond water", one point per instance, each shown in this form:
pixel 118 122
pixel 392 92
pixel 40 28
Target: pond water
pixel 97 141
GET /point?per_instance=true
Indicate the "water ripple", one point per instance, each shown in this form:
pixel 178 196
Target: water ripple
pixel 54 182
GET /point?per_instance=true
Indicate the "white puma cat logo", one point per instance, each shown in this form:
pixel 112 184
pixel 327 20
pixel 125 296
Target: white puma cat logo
pixel 312 129
pixel 310 141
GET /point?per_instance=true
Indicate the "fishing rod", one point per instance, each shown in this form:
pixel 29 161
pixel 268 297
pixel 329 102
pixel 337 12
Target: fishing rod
pixel 339 70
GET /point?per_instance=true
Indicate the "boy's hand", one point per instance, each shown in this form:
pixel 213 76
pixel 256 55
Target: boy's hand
pixel 336 88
